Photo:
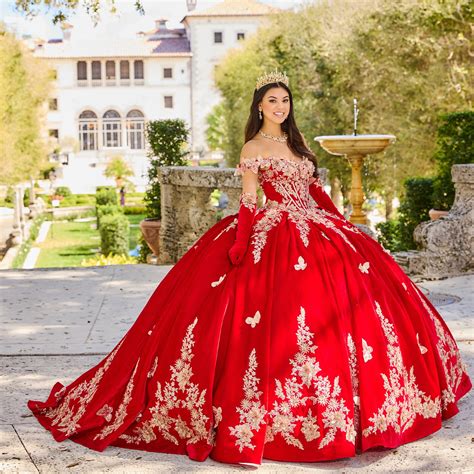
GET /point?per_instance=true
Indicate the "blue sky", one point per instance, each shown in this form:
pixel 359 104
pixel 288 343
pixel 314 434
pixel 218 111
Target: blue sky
pixel 125 24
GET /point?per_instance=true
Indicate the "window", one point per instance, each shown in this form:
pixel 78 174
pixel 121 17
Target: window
pixel 217 36
pixel 138 69
pixel 54 133
pixel 112 129
pixel 124 70
pixel 96 71
pixel 53 104
pixel 135 128
pixel 168 72
pixel 240 36
pixel 168 101
pixel 110 70
pixel 88 130
pixel 81 71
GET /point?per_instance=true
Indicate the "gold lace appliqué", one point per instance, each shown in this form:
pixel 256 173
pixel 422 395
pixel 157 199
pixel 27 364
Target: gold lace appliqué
pixel 404 400
pixel 292 396
pixel 251 411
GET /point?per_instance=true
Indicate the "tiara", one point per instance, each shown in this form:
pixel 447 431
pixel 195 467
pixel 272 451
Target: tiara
pixel 271 78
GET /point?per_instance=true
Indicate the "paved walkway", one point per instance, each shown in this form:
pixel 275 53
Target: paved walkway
pixel 55 324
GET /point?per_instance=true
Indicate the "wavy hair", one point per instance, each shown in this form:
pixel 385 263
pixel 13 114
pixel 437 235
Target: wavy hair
pixel 295 141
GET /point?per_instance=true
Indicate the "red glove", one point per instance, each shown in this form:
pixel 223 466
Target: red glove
pixel 317 192
pixel 247 211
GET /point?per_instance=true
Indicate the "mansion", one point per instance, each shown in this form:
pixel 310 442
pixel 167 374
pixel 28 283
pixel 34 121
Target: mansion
pixel 106 89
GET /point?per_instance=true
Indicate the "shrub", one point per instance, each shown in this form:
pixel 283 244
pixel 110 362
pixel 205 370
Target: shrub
pixel 167 139
pixel 110 259
pixel 114 234
pixel 134 210
pixel 105 195
pixel 106 209
pixel 63 191
pixel 414 208
pixel 388 234
pixel 455 145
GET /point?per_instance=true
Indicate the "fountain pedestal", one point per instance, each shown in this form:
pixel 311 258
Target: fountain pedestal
pixel 355 148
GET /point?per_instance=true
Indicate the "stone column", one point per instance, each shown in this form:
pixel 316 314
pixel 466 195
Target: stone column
pixel 16 234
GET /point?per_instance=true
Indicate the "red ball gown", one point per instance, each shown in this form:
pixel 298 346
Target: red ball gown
pixel 315 347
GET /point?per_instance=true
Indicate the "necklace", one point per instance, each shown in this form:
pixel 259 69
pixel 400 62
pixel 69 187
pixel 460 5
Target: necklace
pixel 281 139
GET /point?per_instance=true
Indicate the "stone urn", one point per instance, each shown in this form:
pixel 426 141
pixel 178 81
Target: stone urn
pixel 436 214
pixel 151 233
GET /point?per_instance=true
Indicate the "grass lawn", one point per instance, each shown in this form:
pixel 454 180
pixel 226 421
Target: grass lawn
pixel 68 243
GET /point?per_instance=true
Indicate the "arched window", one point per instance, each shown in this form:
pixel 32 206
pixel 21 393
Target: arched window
pixel 135 129
pixel 112 129
pixel 88 130
pixel 138 69
pixel 81 71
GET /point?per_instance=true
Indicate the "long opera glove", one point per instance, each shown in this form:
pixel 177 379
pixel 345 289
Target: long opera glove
pixel 317 192
pixel 246 216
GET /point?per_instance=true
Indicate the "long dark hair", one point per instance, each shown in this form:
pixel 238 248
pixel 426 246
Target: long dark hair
pixel 296 141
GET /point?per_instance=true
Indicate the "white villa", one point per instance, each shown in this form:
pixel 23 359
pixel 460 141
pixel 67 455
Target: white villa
pixel 105 90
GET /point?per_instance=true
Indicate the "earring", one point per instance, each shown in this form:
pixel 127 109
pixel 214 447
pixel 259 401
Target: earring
pixel 260 114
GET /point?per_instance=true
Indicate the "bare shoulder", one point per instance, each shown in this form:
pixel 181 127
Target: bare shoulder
pixel 251 149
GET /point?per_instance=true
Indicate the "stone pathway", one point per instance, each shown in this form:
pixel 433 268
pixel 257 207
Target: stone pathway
pixel 57 323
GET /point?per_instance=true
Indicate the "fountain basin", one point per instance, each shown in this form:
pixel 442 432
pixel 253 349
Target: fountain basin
pixel 354 144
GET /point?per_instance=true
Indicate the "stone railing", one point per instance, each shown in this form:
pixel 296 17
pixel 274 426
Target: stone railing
pixel 447 243
pixel 186 209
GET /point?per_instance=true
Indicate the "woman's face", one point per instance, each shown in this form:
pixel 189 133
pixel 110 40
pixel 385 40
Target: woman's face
pixel 275 105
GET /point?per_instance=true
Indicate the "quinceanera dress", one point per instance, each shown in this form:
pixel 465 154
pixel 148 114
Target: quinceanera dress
pixel 315 347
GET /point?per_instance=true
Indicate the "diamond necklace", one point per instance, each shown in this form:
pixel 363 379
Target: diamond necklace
pixel 281 139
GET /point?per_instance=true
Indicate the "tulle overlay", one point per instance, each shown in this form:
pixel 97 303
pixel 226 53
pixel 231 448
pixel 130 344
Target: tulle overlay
pixel 315 347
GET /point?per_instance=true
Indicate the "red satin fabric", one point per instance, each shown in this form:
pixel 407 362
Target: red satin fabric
pixel 315 347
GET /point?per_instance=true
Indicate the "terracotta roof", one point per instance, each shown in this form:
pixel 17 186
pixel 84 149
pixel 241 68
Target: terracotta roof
pixel 134 47
pixel 235 8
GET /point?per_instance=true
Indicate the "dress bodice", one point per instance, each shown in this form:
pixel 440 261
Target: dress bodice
pixel 284 182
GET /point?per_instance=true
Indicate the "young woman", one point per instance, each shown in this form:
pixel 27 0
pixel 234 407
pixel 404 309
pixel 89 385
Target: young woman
pixel 284 333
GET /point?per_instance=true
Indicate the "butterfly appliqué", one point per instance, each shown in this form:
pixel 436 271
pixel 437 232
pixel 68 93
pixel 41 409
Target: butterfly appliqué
pixel 253 321
pixel 423 349
pixel 301 265
pixel 366 351
pixel 218 282
pixel 364 267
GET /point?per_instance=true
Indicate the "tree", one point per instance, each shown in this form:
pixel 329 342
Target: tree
pixel 118 169
pixel 405 61
pixel 62 9
pixel 24 88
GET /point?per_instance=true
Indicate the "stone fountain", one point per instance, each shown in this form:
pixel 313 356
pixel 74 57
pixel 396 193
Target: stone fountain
pixel 355 147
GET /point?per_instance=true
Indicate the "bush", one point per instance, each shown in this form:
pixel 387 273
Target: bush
pixel 105 195
pixel 106 209
pixel 114 234
pixel 388 234
pixel 167 139
pixel 455 145
pixel 63 191
pixel 134 210
pixel 414 208
pixel 110 259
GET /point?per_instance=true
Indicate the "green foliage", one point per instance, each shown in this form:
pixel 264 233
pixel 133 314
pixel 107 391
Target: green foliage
pixel 62 9
pixel 106 195
pixel 25 247
pixel 133 210
pixel 117 168
pixel 114 234
pixel 455 145
pixel 167 141
pixel 414 208
pixel 405 61
pixel 144 249
pixel 24 86
pixel 388 235
pixel 215 131
pixel 106 209
pixel 103 260
pixel 63 191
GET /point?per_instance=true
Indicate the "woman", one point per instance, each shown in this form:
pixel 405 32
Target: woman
pixel 308 343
